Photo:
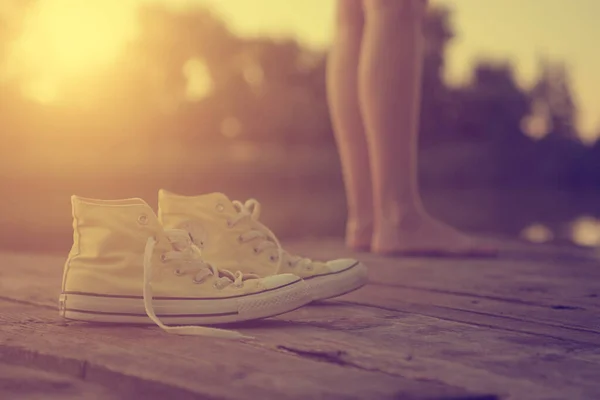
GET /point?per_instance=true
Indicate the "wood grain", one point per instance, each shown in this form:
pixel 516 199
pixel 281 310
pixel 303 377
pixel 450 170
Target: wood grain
pixel 513 327
pixel 135 358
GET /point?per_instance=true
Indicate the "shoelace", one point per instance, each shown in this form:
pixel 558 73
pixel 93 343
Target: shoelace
pixel 184 250
pixel 251 209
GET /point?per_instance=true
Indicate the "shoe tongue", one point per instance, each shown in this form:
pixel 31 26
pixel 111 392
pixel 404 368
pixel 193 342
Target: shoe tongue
pixel 217 201
pixel 210 201
pixel 179 239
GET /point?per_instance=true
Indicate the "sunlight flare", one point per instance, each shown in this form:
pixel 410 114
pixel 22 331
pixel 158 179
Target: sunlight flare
pixel 66 39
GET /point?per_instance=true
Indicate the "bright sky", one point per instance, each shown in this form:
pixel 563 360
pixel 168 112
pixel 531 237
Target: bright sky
pixel 63 39
pixel 81 35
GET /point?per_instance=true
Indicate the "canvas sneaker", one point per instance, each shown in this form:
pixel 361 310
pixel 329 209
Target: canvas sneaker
pixel 124 267
pixel 231 236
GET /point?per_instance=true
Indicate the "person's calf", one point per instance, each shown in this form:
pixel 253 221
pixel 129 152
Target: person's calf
pixel 350 17
pixel 396 9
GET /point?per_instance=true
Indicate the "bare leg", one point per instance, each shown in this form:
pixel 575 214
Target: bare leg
pixel 342 88
pixel 389 89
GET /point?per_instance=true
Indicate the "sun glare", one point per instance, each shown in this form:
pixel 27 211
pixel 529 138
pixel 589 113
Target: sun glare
pixel 67 39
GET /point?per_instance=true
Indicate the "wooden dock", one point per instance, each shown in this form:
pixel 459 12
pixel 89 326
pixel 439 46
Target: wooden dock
pixel 523 326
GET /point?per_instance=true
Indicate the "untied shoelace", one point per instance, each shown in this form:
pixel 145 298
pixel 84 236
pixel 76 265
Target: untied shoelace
pixel 183 249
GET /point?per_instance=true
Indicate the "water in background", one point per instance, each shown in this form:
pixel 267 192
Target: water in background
pixel 300 189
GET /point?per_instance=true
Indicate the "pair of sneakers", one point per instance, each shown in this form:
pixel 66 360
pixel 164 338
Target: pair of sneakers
pixel 202 260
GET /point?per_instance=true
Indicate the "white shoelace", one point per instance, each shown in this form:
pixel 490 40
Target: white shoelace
pixel 184 250
pixel 251 209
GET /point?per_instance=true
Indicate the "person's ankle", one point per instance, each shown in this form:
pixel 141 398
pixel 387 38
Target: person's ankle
pixel 359 233
pixel 406 217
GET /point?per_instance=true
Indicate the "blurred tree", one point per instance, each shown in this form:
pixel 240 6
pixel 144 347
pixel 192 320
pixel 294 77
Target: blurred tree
pixel 488 113
pixel 553 92
pixel 491 106
pixel 436 108
pixel 188 77
pixel 266 86
pixel 286 99
pixel 560 156
pixel 153 68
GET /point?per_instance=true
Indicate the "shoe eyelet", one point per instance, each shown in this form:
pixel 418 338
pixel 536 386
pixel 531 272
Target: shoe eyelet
pixel 229 223
pixel 256 251
pixel 163 257
pixel 289 263
pixel 273 258
pixel 143 219
pixel 309 267
pixel 177 271
pixel 240 239
pixel 220 207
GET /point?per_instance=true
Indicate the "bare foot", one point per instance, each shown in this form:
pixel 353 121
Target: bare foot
pixel 422 235
pixel 359 235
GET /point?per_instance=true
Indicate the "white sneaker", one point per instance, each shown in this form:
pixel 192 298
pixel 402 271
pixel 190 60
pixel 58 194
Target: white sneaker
pixel 125 268
pixel 231 236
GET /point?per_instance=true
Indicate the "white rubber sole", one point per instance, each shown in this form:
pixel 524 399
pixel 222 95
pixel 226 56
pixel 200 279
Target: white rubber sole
pixel 322 287
pixel 183 311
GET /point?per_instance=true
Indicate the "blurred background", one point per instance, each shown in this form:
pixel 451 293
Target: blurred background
pixel 117 98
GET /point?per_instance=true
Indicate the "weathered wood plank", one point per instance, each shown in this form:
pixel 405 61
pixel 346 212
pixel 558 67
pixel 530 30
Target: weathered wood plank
pixel 489 326
pixel 509 250
pixel 34 279
pixel 17 382
pixel 563 317
pixel 387 298
pixel 450 286
pixel 481 359
pixel 533 282
pixel 403 345
pixel 190 367
pixel 554 285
